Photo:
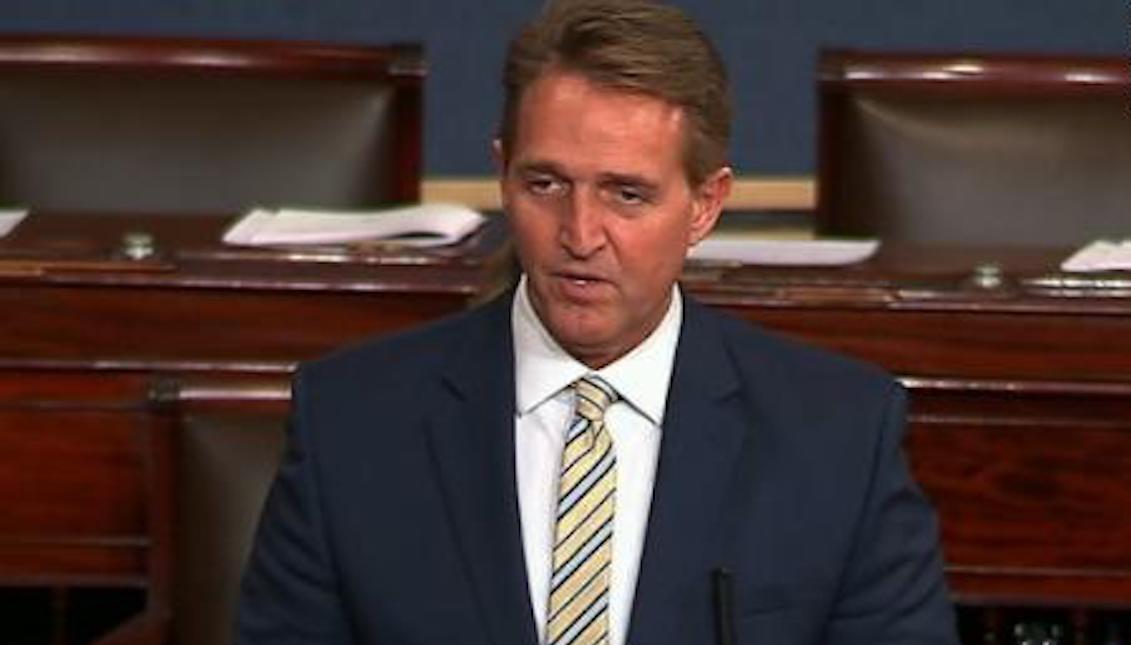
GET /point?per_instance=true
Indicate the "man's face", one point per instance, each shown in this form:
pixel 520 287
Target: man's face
pixel 602 210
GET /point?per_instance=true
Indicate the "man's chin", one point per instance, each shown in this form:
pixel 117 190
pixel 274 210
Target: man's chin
pixel 569 331
pixel 581 336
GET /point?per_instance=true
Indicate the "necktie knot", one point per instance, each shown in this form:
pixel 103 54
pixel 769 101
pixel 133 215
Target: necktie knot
pixel 594 396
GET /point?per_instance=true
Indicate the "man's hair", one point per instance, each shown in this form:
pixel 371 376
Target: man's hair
pixel 637 46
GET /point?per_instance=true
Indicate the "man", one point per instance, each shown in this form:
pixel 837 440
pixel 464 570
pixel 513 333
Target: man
pixel 596 458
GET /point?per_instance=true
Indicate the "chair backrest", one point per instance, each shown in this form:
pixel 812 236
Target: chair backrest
pixel 225 464
pixel 974 149
pixel 217 449
pixel 164 125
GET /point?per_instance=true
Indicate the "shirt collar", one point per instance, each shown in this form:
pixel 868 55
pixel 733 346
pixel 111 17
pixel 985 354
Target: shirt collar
pixel 543 368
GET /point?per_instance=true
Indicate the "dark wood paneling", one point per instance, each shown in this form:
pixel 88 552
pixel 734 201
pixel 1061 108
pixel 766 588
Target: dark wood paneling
pixel 70 473
pixel 1037 498
pixel 73 471
pixel 972 343
pixel 43 563
pixel 202 326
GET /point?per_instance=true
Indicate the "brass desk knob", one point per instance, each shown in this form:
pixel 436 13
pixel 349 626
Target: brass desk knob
pixel 988 276
pixel 138 245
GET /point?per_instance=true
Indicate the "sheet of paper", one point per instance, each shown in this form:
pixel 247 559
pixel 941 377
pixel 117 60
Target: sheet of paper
pixel 10 218
pixel 784 252
pixel 1101 255
pixel 423 225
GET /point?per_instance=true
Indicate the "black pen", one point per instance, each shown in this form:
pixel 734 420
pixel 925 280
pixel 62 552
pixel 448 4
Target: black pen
pixel 723 583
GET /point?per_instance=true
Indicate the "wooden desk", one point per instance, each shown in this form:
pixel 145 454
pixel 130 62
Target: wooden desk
pixel 86 333
pixel 1020 382
pixel 1020 392
pixel 73 299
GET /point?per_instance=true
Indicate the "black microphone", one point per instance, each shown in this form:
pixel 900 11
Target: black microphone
pixel 723 585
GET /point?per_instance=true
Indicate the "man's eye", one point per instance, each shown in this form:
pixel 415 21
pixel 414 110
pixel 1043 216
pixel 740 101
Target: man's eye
pixel 627 195
pixel 544 186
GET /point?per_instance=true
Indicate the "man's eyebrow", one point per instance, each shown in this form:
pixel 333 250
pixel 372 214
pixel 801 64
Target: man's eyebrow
pixel 538 166
pixel 629 179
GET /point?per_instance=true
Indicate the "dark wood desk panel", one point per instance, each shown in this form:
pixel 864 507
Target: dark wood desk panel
pixel 1027 497
pixel 72 476
pixel 919 311
pixel 197 305
pixel 201 328
pixel 979 342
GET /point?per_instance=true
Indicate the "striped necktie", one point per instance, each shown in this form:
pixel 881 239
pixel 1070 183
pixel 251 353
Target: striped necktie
pixel 583 545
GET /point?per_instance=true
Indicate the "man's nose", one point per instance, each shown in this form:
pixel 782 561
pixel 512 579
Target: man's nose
pixel 583 228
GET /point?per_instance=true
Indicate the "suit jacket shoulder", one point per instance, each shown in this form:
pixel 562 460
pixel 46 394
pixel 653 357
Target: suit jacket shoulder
pixel 397 358
pixel 397 468
pixel 789 376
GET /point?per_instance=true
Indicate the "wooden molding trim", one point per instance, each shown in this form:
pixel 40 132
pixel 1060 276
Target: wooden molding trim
pixel 476 192
pixel 748 193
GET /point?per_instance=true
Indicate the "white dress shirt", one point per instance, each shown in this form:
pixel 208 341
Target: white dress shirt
pixel 543 409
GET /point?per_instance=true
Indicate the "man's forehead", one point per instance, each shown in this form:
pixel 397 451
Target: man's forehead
pixel 565 85
pixel 566 120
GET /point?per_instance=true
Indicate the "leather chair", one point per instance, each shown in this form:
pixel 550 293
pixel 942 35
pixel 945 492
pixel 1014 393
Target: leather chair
pixel 225 465
pixel 214 458
pixel 161 125
pixel 974 149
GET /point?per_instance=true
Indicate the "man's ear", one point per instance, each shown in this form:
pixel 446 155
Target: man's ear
pixel 707 203
pixel 500 159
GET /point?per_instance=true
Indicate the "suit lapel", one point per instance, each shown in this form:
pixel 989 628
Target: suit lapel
pixel 472 437
pixel 703 434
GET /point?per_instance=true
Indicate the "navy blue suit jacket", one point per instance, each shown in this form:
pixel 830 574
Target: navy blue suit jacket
pixel 394 517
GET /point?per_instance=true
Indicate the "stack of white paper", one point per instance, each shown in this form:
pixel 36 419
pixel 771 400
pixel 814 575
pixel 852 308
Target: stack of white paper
pixel 423 225
pixel 1101 255
pixel 784 252
pixel 10 218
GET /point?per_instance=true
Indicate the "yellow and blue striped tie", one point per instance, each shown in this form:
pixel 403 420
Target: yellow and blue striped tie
pixel 583 538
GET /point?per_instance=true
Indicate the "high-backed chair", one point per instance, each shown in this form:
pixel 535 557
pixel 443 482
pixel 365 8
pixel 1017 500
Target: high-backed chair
pixel 225 464
pixel 159 125
pixel 974 149
pixel 214 457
